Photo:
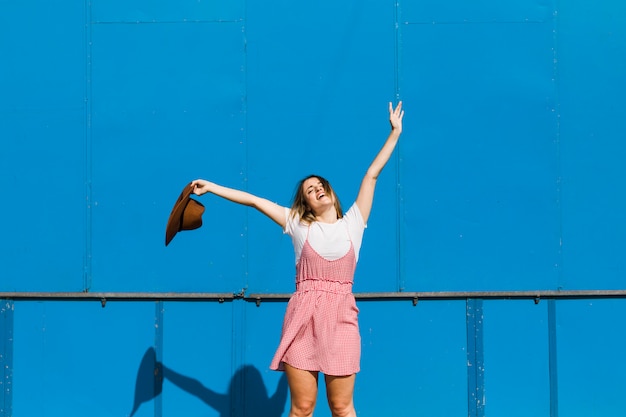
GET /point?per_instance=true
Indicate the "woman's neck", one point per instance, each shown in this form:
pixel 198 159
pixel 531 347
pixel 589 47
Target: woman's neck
pixel 327 216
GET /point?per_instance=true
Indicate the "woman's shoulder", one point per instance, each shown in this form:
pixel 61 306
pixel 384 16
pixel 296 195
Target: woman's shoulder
pixel 353 214
pixel 293 222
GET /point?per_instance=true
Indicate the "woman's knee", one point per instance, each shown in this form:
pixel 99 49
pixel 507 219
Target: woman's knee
pixel 302 407
pixel 341 407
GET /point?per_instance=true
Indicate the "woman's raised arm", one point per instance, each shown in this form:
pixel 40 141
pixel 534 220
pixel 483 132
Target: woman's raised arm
pixel 366 192
pixel 272 210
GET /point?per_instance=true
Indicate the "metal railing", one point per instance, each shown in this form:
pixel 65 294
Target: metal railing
pixel 258 298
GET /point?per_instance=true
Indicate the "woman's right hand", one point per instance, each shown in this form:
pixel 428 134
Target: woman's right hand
pixel 201 186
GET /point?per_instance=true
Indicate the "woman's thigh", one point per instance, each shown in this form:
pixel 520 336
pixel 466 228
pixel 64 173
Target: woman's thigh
pixel 340 391
pixel 302 386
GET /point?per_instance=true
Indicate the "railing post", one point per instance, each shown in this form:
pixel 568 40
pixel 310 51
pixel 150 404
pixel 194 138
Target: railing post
pixel 552 355
pixel 6 358
pixel 475 358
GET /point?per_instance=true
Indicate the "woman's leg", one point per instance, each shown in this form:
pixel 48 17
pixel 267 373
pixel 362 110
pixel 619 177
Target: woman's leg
pixel 303 389
pixel 340 393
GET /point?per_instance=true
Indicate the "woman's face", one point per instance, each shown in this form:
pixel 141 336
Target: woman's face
pixel 315 195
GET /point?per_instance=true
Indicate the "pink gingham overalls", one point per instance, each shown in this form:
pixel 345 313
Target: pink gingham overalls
pixel 320 329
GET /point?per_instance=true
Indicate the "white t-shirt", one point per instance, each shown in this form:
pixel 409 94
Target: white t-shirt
pixel 330 240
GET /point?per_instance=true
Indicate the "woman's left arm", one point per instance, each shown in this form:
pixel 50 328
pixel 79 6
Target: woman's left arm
pixel 366 192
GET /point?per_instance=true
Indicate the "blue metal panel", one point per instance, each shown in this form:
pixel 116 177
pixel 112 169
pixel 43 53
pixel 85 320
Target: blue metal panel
pixel 43 242
pixel 516 358
pixel 414 359
pixel 43 66
pixel 199 358
pixel 42 79
pixel 592 372
pixel 265 389
pixel 78 359
pixel 592 64
pixel 165 11
pixel 459 11
pixel 479 197
pixel 319 79
pixel 167 109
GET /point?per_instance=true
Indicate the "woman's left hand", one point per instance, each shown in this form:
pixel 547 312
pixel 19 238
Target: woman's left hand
pixel 395 117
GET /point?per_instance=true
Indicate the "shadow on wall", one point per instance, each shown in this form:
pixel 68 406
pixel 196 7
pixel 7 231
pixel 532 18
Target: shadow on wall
pixel 255 402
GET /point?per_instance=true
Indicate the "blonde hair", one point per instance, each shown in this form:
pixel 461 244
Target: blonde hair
pixel 299 207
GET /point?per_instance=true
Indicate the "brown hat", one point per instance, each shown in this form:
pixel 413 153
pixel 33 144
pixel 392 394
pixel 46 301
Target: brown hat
pixel 186 215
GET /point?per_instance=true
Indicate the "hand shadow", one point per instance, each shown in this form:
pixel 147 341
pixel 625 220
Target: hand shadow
pixel 254 398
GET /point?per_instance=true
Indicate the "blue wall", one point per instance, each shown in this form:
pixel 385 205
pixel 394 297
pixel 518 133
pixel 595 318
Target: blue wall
pixel 508 177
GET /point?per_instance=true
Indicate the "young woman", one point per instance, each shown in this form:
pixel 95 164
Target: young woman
pixel 320 329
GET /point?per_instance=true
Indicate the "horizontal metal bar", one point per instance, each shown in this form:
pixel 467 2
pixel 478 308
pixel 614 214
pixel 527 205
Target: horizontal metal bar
pixel 450 295
pixel 536 296
pixel 256 297
pixel 123 296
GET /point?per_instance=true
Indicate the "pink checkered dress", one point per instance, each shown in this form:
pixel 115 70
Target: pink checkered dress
pixel 320 329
